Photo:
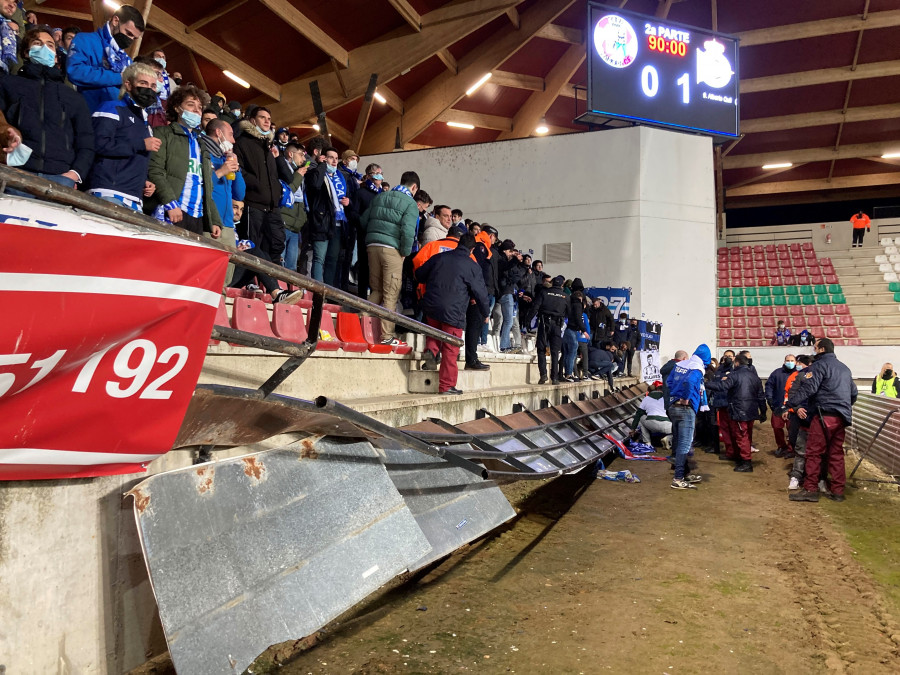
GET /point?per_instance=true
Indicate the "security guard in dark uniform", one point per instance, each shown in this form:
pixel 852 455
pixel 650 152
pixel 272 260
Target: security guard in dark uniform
pixel 828 388
pixel 550 307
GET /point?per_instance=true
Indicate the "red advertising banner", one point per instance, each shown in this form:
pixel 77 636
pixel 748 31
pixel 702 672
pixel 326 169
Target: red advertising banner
pixel 102 340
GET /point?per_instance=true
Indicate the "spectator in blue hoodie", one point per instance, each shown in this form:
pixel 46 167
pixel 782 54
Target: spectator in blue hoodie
pixel 96 61
pixel 687 397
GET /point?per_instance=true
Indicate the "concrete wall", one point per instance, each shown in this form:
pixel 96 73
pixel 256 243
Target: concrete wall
pixel 637 204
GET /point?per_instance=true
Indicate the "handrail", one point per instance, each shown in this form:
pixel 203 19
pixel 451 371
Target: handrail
pixel 53 192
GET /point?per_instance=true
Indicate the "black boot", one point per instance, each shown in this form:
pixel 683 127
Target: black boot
pixel 744 466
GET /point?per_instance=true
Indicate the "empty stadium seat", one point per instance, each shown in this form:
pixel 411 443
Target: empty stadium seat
pixel 802 281
pixel 724 293
pixel 724 302
pixel 763 281
pixel 823 299
pixel 794 247
pixel 826 310
pixel 739 322
pixel 767 311
pixel 752 311
pixel 833 333
pixel 781 312
pixel 830 320
pixel 349 332
pixel 725 336
pixel 855 342
pixel 841 310
pixel 724 311
pixel 722 252
pixel 891 276
pixel 791 290
pixel 746 249
pixel 794 300
pixel 780 300
pixel 818 289
pixel 328 340
pixel 896 296
pixel 845 320
pixel 769 322
pixel 739 335
pixel 750 292
pixel 738 311
pixel 806 289
pixel 838 299
pixel 751 301
pixel 288 322
pixel 765 301
pixel 754 322
pixel 251 315
pixel 755 334
pixel 813 322
pixel 807 246
pixel 808 299
pixel 885 267
pixel 796 310
pixel 737 302
pixel 817 279
pixel 897 267
pixel 890 250
pixel 724 322
pixel 831 279
pixel 810 310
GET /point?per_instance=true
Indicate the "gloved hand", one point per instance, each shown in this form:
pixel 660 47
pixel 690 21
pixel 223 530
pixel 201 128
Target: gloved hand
pixel 762 416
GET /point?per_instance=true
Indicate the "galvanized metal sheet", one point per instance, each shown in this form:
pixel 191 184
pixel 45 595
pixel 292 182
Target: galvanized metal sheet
pixel 868 414
pixel 452 507
pixel 248 552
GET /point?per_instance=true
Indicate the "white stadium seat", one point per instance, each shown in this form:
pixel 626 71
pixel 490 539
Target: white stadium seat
pixel 890 250
pixel 894 258
pixel 879 259
pixel 897 267
pixel 891 276
pixel 887 241
pixel 885 267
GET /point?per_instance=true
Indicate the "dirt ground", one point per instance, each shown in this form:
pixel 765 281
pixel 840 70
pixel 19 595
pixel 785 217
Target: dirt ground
pixel 598 577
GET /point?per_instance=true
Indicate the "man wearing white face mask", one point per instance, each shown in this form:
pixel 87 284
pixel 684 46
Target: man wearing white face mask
pixel 352 178
pixel 181 168
pixel 58 144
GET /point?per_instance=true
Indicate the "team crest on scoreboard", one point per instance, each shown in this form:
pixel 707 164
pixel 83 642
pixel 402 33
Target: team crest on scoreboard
pixel 713 67
pixel 615 41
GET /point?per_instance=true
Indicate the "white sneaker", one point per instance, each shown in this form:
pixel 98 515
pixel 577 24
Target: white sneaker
pixel 481 348
pixel 794 484
pixel 752 449
pixel 667 442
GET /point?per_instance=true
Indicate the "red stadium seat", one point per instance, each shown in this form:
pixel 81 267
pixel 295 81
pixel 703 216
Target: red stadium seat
pixel 734 250
pixel 759 264
pixel 794 247
pixel 350 332
pixel 831 279
pixel 724 311
pixel 813 321
pixel 722 252
pixel 375 330
pixel 221 318
pixel 724 322
pixel 755 334
pixel 811 310
pixel 762 281
pixel 796 310
pixel 771 255
pixel 752 311
pixel 738 311
pixel 372 336
pixel 722 266
pixel 829 321
pixel 789 280
pixel 251 315
pixel 816 279
pixel 735 265
pixel 845 320
pixel 768 322
pixel 833 333
pixel 770 248
pixel 288 322
pixel 854 342
pixel 725 335
pixel 807 246
pixel 739 322
pixel 235 293
pixel 331 343
pixel 767 311
pixel 746 249
pixel 802 281
pixel 826 310
pixel 781 311
pixel 739 336
pixel 776 281
pixel 841 310
pixel 754 322
pixel 782 248
pixel 825 261
pixel 759 248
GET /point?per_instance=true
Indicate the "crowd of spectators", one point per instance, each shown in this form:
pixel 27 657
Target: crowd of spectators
pixel 80 111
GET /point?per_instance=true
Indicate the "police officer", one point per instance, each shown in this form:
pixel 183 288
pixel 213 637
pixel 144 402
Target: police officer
pixel 550 307
pixel 746 404
pixel 829 390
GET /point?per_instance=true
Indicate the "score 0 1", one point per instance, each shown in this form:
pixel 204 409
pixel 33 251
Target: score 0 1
pixel 650 83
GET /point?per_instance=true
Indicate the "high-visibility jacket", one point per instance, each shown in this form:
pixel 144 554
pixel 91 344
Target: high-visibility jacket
pixel 859 223
pixel 429 250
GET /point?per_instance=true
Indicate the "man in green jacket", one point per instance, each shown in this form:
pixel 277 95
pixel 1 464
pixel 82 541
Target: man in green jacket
pixel 181 170
pixel 390 227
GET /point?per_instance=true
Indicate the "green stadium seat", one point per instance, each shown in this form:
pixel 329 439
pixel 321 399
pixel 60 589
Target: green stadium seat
pixel 808 299
pixel 819 289
pixel 791 290
pixel 794 300
pixel 834 289
pixel 894 287
pixel 737 302
pixel 777 290
pixel 765 301
pixel 896 296
pixel 766 291
pixel 806 290
pixel 750 292
pixel 724 302
pixel 780 300
pixel 823 299
pixel 752 301
pixel 737 292
pixel 724 292
pixel 838 299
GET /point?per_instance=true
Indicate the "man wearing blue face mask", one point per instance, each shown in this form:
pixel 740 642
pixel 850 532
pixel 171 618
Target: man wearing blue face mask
pixel 775 385
pixel 53 120
pixel 370 187
pixel 181 168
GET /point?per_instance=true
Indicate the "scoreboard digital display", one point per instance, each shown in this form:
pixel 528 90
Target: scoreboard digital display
pixel 657 72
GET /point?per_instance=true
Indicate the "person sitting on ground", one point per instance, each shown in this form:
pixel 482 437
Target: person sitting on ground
pixel 775 385
pixel 782 337
pixel 53 121
pixel 180 169
pixel 124 142
pixel 452 280
pixel 651 418
pixel 886 383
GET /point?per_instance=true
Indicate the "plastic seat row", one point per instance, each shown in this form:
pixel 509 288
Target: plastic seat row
pixel 738 334
pixel 352 332
pixel 782 300
pixel 799 322
pixel 784 311
pixel 806 289
pixel 760 248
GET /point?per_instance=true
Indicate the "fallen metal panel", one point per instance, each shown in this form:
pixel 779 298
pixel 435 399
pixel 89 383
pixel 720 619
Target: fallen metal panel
pixel 248 552
pixel 868 414
pixel 452 506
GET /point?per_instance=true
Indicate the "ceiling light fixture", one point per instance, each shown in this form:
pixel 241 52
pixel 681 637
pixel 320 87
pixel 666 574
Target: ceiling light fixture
pixel 240 81
pixel 782 165
pixel 475 87
pixel 460 125
pixel 542 128
pixel 381 99
pixel 891 155
pixel 317 127
pixel 114 6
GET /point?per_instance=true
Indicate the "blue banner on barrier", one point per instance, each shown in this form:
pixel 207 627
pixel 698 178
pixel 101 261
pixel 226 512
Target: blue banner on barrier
pixel 617 299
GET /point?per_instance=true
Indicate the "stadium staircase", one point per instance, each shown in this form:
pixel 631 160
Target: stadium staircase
pixel 869 277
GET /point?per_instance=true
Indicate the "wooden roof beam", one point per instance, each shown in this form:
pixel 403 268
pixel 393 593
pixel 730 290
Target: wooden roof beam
pixel 212 52
pixel 811 155
pixel 297 20
pixel 842 182
pixel 503 78
pixel 392 100
pixel 820 119
pixel 811 29
pixel 410 15
pixel 529 115
pixel 442 93
pixel 513 15
pixel 448 60
pixel 32 6
pixel 217 13
pixel 463 10
pixel 477 119
pixel 824 76
pixel 557 33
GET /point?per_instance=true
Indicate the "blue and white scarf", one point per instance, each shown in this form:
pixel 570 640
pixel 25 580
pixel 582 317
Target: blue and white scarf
pixel 116 57
pixel 10 39
pixel 167 87
pixel 340 191
pixel 402 188
pixel 353 172
pixel 371 187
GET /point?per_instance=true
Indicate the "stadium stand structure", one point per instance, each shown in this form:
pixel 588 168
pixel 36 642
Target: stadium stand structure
pixel 762 284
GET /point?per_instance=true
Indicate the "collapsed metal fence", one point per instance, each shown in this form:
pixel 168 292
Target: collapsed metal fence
pixel 247 552
pixel 876 428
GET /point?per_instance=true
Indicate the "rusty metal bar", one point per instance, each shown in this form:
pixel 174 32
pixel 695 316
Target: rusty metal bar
pixel 862 456
pixel 54 192
pixel 310 344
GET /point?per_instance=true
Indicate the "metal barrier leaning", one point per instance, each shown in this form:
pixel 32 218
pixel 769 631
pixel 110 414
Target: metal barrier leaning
pixel 876 424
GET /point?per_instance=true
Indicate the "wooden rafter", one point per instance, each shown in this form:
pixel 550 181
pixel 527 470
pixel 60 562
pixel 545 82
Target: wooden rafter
pixel 529 115
pixel 842 182
pixel 448 60
pixel 810 155
pixel 363 118
pixel 513 15
pixel 818 119
pixel 426 105
pixel 144 7
pixel 297 20
pixel 395 53
pixel 198 44
pixel 32 6
pixel 662 9
pixel 217 13
pixel 464 10
pixel 477 119
pixel 391 98
pixel 410 15
pixel 823 76
pixel 99 13
pixel 502 78
pixel 809 29
pixel 557 33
